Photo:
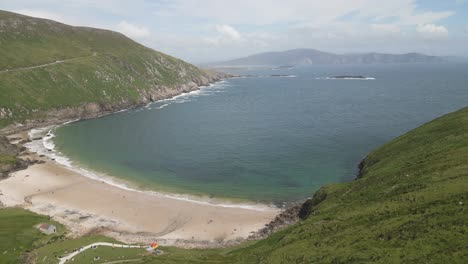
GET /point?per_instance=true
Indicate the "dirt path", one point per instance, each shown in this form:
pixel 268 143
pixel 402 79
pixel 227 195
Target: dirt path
pixel 105 244
pixel 45 65
pixel 121 261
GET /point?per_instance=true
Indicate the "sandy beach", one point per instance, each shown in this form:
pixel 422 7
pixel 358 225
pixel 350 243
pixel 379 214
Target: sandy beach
pixel 87 205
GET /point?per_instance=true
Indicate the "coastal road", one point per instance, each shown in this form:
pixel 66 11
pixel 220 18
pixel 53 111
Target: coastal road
pixel 45 65
pixel 105 244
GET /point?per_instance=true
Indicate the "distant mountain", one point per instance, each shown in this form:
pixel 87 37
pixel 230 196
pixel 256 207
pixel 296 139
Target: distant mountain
pixel 310 56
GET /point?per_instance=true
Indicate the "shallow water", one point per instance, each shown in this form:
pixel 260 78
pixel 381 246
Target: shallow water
pixel 268 139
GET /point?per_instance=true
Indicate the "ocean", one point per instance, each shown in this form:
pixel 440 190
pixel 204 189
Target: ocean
pixel 269 139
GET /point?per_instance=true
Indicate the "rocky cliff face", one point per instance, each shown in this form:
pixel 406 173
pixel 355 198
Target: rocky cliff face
pixel 9 161
pixel 51 72
pixel 93 109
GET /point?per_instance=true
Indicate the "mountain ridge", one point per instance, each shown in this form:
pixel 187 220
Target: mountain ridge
pixel 297 57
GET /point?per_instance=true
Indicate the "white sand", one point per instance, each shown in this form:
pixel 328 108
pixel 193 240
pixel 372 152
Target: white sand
pixel 86 205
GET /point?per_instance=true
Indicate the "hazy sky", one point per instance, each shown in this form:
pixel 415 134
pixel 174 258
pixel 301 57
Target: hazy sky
pixel 211 30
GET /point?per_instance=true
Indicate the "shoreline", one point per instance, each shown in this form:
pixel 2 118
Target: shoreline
pixel 52 189
pixel 47 150
pixel 131 216
pixel 87 111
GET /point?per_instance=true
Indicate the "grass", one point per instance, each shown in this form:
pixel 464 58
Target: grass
pixel 18 234
pixel 407 206
pixel 7 159
pixel 108 254
pixel 48 254
pixel 99 66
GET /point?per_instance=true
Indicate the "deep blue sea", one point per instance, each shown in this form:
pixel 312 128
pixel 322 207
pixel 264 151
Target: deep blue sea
pixel 267 139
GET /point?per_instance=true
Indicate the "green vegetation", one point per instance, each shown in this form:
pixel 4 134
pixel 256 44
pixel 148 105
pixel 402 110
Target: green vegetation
pixel 18 234
pixel 106 254
pixel 407 206
pixel 49 253
pixel 81 65
pixel 8 157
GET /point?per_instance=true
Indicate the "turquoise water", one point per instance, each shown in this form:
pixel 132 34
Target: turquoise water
pixel 267 139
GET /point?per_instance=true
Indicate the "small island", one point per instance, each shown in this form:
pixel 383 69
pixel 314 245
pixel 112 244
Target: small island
pixel 348 77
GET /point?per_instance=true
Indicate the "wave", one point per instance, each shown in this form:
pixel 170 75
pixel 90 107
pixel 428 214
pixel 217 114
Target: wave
pixel 207 90
pixel 270 76
pixel 46 147
pixel 162 106
pixel 346 78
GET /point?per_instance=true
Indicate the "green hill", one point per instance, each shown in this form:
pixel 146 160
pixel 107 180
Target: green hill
pixel 50 70
pixel 408 205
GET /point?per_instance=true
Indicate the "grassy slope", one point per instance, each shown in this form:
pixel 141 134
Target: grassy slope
pixel 48 254
pixel 100 66
pixel 408 206
pixel 18 234
pixel 8 157
pixel 404 208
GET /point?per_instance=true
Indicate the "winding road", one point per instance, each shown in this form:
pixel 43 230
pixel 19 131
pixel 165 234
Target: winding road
pixel 45 65
pixel 106 244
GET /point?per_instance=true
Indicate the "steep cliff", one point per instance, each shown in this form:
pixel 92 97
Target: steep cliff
pixel 52 71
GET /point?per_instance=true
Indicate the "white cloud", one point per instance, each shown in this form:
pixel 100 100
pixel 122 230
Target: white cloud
pixel 41 14
pixel 386 28
pixel 132 31
pixel 227 35
pixel 432 30
pixel 217 29
pixel 268 12
pixel 229 32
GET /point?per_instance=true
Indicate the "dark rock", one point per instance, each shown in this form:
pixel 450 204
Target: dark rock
pixel 349 77
pixel 309 205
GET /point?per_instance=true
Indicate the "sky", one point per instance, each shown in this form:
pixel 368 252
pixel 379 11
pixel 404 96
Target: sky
pixel 213 30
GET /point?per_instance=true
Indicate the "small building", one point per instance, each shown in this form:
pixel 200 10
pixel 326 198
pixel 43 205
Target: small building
pixel 149 249
pixel 47 228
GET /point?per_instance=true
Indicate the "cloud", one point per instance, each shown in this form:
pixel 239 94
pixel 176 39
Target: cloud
pixel 385 28
pixel 227 35
pixel 217 29
pixel 316 12
pixel 229 32
pixel 432 30
pixel 131 30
